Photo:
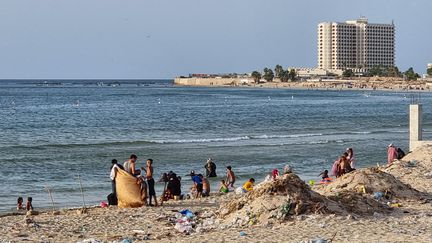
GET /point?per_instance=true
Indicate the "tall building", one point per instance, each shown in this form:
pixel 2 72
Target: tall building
pixel 355 44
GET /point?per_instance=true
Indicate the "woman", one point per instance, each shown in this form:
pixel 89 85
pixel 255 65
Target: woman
pixel 350 157
pixel 344 165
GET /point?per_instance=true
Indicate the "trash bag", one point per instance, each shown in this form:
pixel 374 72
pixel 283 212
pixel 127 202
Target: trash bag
pixel 129 192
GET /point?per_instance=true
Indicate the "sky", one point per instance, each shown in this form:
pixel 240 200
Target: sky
pixel 137 39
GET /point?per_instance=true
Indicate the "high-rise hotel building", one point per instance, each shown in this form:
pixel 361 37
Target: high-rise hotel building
pixel 355 44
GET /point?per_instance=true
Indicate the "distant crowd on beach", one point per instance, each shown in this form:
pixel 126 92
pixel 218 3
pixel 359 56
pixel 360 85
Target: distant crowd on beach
pixel 172 182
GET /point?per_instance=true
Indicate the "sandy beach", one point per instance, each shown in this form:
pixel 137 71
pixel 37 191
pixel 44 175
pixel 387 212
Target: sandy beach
pixel 337 212
pixel 366 84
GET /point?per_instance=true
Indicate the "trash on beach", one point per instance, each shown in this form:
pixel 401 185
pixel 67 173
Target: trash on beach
pixel 411 163
pixel 103 205
pixel 319 240
pixel 242 233
pixel 239 190
pixel 394 205
pixel 311 182
pixel 378 195
pixel 185 222
pixel 126 241
pixel 428 175
pixel 91 240
pixel 187 213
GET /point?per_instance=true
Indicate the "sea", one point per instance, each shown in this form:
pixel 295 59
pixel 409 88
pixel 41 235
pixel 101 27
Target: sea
pixel 59 136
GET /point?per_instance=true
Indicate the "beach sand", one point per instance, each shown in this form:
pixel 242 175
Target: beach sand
pixel 411 222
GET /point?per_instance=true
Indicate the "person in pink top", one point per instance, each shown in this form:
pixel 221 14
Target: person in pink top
pixel 391 153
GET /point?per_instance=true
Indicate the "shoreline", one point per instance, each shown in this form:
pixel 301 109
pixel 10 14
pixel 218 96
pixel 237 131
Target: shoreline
pixel 356 216
pixel 333 85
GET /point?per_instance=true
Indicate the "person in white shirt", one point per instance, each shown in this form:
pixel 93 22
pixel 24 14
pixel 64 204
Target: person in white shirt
pixel 114 167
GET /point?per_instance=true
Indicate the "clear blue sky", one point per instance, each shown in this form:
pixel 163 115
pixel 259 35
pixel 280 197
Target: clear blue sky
pixel 163 39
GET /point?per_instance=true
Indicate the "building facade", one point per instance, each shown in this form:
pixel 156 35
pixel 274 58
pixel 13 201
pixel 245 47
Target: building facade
pixel 355 44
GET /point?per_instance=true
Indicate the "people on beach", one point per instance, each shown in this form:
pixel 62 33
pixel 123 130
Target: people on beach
pixel 129 165
pixel 391 153
pixel 173 189
pixel 400 153
pixel 350 157
pixel 210 168
pixel 223 187
pixel 114 167
pixel 150 182
pixel 198 185
pixel 275 174
pixel 324 175
pixel 344 165
pixel 230 177
pixel 206 187
pixel 29 205
pixel 248 186
pixel 20 202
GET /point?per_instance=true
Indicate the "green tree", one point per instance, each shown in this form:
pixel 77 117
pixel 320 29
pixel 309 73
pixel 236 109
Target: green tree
pixel 268 74
pixel 284 75
pixel 292 74
pixel 278 69
pixel 348 73
pixel 376 71
pixel 393 71
pixel 411 75
pixel 429 71
pixel 256 76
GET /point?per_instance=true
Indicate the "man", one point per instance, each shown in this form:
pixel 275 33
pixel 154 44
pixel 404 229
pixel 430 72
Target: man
pixel 230 177
pixel 210 167
pixel 151 182
pixel 129 165
pixel 114 167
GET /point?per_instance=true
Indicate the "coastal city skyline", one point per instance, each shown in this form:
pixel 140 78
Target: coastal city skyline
pixel 141 39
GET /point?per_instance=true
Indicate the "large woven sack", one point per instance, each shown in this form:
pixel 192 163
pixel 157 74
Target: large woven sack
pixel 129 193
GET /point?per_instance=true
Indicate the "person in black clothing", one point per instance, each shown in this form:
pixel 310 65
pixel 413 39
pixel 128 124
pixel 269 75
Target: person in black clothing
pixel 174 185
pixel 210 167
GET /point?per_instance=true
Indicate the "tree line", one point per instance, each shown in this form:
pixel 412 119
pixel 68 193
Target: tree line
pixel 387 71
pixel 284 75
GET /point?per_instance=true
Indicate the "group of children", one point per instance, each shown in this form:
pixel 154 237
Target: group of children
pixel 28 206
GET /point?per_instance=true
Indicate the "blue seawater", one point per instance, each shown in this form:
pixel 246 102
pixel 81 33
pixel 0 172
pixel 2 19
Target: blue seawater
pixel 53 131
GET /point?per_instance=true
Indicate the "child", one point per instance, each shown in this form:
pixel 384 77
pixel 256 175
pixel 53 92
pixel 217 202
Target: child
pixel 29 205
pixel 223 187
pixel 20 203
pixel 248 186
pixel 324 175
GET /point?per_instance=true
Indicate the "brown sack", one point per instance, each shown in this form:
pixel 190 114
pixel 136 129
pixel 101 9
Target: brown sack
pixel 129 193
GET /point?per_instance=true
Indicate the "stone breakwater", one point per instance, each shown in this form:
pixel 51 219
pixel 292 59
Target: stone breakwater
pixel 374 83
